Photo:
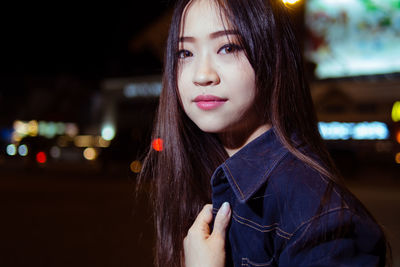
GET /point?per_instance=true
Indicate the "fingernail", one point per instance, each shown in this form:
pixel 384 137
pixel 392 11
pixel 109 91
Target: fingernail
pixel 225 209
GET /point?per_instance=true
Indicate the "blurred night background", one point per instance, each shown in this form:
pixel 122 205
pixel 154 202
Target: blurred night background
pixel 79 84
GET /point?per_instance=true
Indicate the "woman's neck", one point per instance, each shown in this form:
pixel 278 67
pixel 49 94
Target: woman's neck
pixel 233 141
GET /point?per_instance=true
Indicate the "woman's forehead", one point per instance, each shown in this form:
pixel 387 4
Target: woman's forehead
pixel 202 16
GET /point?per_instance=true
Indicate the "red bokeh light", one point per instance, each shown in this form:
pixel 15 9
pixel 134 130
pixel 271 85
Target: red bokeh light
pixel 41 157
pixel 157 144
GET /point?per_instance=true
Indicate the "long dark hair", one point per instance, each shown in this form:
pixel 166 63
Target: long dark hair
pixel 181 172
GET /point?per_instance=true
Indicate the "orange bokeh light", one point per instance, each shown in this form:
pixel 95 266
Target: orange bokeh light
pixel 136 166
pixel 41 157
pixel 157 144
pixel 397 158
pixel 398 136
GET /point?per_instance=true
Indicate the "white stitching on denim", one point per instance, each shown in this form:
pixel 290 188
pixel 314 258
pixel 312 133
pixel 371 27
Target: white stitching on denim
pixel 240 191
pixel 259 225
pixel 262 226
pixel 286 237
pixel 318 216
pixel 273 227
pixel 268 171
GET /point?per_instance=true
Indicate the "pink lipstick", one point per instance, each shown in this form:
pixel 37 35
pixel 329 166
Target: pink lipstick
pixel 208 102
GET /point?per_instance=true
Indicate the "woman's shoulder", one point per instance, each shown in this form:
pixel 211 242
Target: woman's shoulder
pixel 294 179
pixel 303 195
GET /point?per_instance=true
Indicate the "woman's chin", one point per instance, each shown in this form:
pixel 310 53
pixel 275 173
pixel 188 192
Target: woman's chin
pixel 210 128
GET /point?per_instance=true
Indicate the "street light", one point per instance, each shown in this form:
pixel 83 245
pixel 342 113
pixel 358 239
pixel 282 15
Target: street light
pixel 290 2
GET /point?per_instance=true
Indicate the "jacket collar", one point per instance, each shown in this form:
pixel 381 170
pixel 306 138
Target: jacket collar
pixel 249 168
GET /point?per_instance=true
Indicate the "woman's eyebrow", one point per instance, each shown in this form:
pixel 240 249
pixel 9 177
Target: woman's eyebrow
pixel 223 33
pixel 213 35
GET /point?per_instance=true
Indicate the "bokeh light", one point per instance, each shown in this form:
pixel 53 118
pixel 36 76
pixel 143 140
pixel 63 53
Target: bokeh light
pixel 60 128
pixel 101 142
pixel 90 153
pixel 335 130
pixel 42 128
pixel 353 130
pixel 71 129
pixel 16 137
pixel 397 158
pixel 108 132
pixel 55 152
pixel 157 144
pixel 396 111
pixel 21 128
pixel 41 157
pixel 11 150
pixel 47 129
pixel 370 131
pixel 33 128
pixel 398 136
pixel 83 140
pixel 290 2
pixel 136 166
pixel 23 150
pixel 143 89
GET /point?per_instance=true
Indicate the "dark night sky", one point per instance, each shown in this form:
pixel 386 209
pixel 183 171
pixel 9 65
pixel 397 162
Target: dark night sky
pixel 89 39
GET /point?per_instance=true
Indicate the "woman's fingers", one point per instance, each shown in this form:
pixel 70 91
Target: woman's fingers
pixel 202 222
pixel 201 225
pixel 221 221
pixel 201 248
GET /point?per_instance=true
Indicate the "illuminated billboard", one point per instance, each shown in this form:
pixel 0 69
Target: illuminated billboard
pixel 353 37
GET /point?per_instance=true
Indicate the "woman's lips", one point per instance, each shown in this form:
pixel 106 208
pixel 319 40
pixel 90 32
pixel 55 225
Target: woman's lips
pixel 208 102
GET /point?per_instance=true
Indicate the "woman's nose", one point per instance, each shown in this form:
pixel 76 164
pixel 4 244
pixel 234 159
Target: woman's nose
pixel 205 74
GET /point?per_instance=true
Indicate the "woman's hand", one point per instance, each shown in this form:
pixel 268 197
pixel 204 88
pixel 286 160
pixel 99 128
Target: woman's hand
pixel 201 248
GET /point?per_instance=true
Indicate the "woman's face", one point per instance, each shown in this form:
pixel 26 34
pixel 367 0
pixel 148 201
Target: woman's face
pixel 215 79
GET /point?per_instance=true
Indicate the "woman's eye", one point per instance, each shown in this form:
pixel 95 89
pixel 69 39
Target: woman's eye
pixel 229 48
pixel 184 54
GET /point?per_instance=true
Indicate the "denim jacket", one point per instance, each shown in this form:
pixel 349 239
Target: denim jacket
pixel 277 219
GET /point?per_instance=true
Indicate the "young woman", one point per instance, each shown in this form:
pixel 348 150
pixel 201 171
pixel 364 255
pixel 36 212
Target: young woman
pixel 238 127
